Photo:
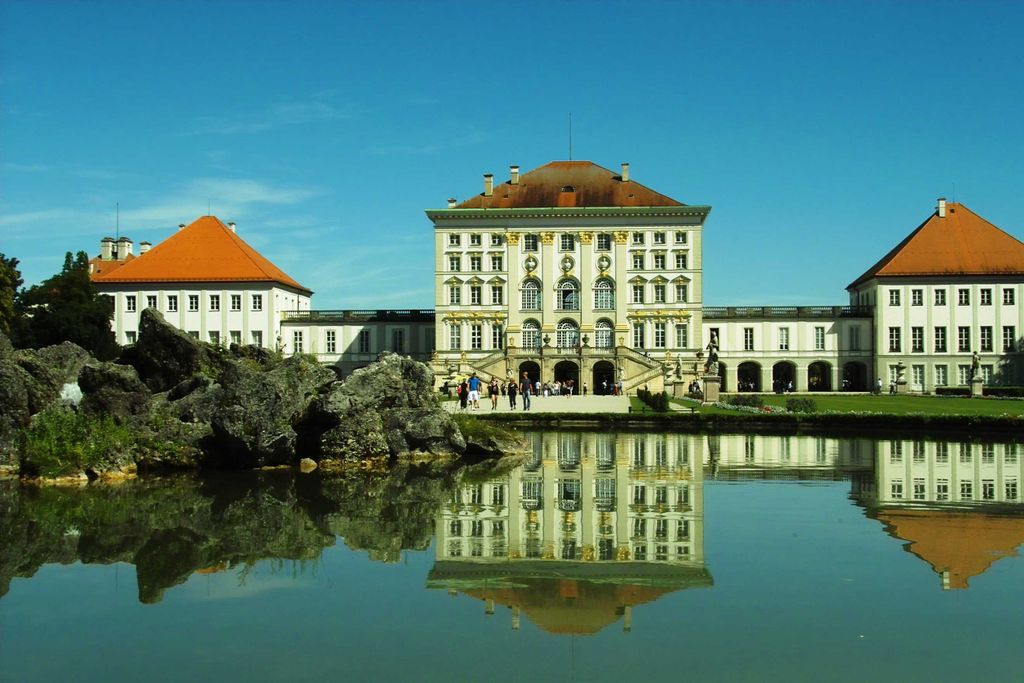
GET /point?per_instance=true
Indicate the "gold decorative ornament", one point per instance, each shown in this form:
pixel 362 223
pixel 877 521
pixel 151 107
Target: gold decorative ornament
pixel 586 237
pixel 621 237
pixel 513 238
pixel 547 238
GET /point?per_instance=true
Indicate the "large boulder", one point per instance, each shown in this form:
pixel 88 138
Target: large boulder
pixel 165 356
pixel 114 390
pixel 387 408
pixel 253 423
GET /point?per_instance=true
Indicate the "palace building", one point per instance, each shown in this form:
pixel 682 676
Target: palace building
pixel 572 271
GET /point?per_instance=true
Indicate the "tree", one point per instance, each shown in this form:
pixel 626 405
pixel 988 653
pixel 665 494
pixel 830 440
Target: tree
pixel 10 283
pixel 67 307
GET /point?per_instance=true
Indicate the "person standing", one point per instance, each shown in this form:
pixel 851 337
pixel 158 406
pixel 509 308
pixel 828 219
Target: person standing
pixel 525 387
pixel 493 391
pixel 474 391
pixel 512 391
pixel 463 394
pixel 584 388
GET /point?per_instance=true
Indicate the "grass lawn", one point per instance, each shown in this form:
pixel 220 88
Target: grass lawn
pixel 901 405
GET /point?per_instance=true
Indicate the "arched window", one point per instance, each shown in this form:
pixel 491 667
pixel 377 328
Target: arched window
pixel 604 295
pixel 568 335
pixel 531 334
pixel 568 296
pixel 530 295
pixel 603 334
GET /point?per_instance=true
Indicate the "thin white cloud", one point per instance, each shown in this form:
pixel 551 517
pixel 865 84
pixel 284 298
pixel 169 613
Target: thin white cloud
pixel 288 114
pixel 24 168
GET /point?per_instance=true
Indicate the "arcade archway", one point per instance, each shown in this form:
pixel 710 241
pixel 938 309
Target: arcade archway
pixel 748 377
pixel 567 370
pixel 783 376
pixel 855 377
pixel 531 369
pixel 603 377
pixel 819 376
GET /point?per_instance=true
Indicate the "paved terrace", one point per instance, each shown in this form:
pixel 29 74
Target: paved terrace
pixel 551 404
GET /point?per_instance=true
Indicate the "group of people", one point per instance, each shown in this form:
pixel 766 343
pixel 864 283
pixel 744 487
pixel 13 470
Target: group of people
pixel 471 389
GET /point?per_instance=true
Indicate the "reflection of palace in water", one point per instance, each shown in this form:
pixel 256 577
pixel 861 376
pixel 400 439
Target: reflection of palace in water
pixel 596 524
pixel 958 505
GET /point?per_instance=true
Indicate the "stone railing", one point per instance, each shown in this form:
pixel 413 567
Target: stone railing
pixel 725 312
pixel 382 315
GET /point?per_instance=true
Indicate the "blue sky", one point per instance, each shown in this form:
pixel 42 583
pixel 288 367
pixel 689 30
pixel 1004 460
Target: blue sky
pixel 820 133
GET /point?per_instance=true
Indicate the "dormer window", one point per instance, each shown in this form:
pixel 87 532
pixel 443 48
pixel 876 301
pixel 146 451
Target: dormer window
pixel 568 188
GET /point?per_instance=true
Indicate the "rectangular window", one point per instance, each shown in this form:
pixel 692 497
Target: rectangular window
pixel 398 341
pixel 819 338
pixel 476 263
pixel 965 453
pixel 454 295
pixel 604 241
pixel 214 337
pixel 638 335
pixel 638 238
pixel 895 452
pixel 150 301
pixel 497 337
pixel 567 242
pixel 963 374
pixel 896 489
pixel 940 297
pixel 681 261
pixel 659 238
pixel 235 336
pixel 918 451
pixel 941 453
pixel 682 335
pixel 963 297
pixel 985 297
pixel 942 489
pixel 659 294
pixel 854 338
pixel 257 302
pixel 894 297
pixel 454 336
pixel 682 294
pixel 172 303
pixel 783 339
pixel 475 240
pixel 659 262
pixel 1011 489
pixel 130 303
pixel 257 337
pixel 497 295
pixel 941 378
pixel 495 240
pixel 1009 338
pixel 236 302
pixel 638 261
pixel 529 243
pixel 985 336
pixel 1010 454
pixel 748 338
pixel 454 263
pixel 917 340
pixel 476 337
pixel 680 237
pixel 130 337
pixel 963 339
pixel 940 340
pixel 454 240
pixel 659 335
pixel 986 374
pixel 638 294
pixel 497 262
pixel 214 302
pixel 919 488
pixel 966 489
pixel 988 454
pixel 917 376
pixel 894 340
pixel 297 341
pixel 193 302
pixel 364 341
pixel 1008 297
pixel 474 295
pixel 917 297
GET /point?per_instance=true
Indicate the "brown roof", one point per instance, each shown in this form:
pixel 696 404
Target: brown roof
pixel 101 267
pixel 205 251
pixel 569 184
pixel 965 545
pixel 962 243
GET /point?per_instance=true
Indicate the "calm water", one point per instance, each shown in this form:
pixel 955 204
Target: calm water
pixel 606 557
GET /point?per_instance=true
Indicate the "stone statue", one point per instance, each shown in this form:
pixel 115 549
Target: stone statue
pixel 679 369
pixel 711 365
pixel 975 365
pixel 900 369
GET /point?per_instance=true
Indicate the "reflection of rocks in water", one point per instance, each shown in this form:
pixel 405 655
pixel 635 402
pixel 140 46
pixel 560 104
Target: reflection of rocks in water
pixel 170 528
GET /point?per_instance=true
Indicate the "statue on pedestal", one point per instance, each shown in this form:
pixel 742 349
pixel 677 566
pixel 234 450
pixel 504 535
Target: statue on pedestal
pixel 711 365
pixel 975 365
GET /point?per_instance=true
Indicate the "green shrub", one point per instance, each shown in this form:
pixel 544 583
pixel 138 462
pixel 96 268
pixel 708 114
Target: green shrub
pixel 801 405
pixel 656 402
pixel 62 442
pixel 748 400
pixel 1010 392
pixel 952 391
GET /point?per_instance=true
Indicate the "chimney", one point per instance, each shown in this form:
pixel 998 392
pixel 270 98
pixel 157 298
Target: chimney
pixel 625 172
pixel 181 226
pixel 488 184
pixel 106 248
pixel 231 226
pixel 515 174
pixel 124 248
pixel 144 247
pixel 942 207
pixel 451 202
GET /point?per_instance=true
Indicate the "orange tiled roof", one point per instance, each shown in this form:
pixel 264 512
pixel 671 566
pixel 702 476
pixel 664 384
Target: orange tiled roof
pixel 592 185
pixel 101 267
pixel 205 251
pixel 963 544
pixel 962 243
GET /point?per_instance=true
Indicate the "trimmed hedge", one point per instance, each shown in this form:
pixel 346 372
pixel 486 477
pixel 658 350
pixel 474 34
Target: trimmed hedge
pixel 748 400
pixel 801 405
pixel 1011 392
pixel 656 402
